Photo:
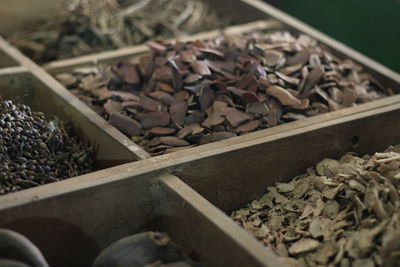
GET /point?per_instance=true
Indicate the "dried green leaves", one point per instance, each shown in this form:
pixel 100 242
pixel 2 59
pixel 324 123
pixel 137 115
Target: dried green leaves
pixel 341 213
pixel 225 87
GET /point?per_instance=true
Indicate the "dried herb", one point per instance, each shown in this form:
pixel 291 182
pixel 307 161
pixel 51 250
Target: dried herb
pixel 34 151
pixel 80 27
pixel 224 87
pixel 341 213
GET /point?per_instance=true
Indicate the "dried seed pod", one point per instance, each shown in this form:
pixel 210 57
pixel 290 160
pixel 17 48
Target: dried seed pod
pixel 19 245
pixel 140 250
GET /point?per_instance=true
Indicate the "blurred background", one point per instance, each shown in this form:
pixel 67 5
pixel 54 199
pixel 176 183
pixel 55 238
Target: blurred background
pixel 371 27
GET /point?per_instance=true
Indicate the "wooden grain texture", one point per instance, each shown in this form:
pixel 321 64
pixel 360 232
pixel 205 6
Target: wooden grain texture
pixel 72 226
pixel 230 179
pixel 185 211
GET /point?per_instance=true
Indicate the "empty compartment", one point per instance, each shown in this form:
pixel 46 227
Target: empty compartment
pixel 72 227
pixel 25 88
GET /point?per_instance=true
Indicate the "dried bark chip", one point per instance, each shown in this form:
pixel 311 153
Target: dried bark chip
pixel 236 91
pixel 181 95
pixel 177 78
pixel 127 72
pixel 264 81
pixel 284 96
pixel 216 66
pixel 237 118
pixel 160 48
pixel 149 104
pixel 275 113
pixel 130 104
pixel 154 119
pixel 305 103
pixel 102 93
pixel 213 119
pixel 207 98
pixel 348 97
pixel 248 127
pixel 200 68
pixel 192 78
pixel 164 74
pixel 226 99
pixel 66 79
pixel 146 64
pixel 162 131
pixel 196 128
pixel 187 56
pixel 166 88
pixel 218 136
pixel 196 116
pixel 198 86
pixel 249 97
pixel 272 57
pixel 322 93
pixel 256 69
pixel 183 133
pixel 321 107
pixel 163 97
pixel 293 116
pixel 125 96
pixel 272 78
pixel 175 149
pixel 125 124
pixel 313 78
pixel 173 141
pixel 213 52
pixel 258 108
pixel 303 245
pixel 291 69
pixel 301 57
pixel 177 111
pixel 333 106
pixel 112 106
pixel 248 82
pixel 288 79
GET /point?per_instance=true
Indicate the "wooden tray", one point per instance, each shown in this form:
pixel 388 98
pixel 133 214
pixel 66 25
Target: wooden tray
pixel 185 193
pixel 96 209
pixel 280 21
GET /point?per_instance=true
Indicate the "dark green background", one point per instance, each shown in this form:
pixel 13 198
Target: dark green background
pixel 371 27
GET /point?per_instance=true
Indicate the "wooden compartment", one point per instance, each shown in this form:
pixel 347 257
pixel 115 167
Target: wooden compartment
pixel 234 178
pixel 6 60
pixel 280 21
pixel 25 88
pixel 101 207
pixel 72 226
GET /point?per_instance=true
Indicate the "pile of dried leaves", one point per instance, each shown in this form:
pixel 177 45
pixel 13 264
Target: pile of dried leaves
pixel 186 94
pixel 341 213
pixel 80 27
